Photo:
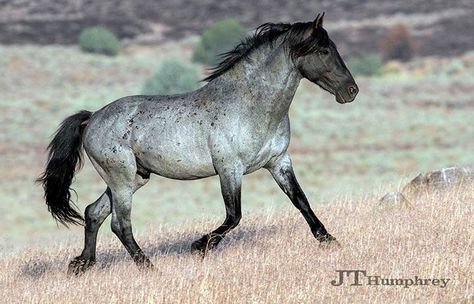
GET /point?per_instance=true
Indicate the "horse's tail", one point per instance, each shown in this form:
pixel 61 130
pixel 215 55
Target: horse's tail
pixel 65 155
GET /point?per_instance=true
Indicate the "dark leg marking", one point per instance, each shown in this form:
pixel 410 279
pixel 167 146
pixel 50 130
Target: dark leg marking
pixel 122 226
pixel 95 215
pixel 282 171
pixel 230 188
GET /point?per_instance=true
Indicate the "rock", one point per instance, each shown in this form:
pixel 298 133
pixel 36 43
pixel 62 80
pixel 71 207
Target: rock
pixel 433 182
pixel 438 180
pixel 394 200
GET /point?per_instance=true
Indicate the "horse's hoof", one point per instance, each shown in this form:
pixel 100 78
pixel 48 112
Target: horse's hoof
pixel 79 265
pixel 143 262
pixel 330 244
pixel 199 247
pixel 206 243
pixel 147 265
pixel 327 241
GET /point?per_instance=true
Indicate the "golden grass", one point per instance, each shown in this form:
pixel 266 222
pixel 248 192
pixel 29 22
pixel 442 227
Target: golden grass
pixel 270 258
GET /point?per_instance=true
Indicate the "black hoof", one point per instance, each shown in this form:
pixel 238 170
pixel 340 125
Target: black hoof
pixel 79 265
pixel 142 261
pixel 326 240
pixel 200 247
pixel 204 244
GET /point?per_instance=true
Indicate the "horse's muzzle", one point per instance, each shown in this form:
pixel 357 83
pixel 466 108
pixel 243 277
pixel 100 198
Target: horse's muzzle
pixel 347 94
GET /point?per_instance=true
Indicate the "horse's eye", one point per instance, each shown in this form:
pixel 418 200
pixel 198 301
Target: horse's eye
pixel 324 52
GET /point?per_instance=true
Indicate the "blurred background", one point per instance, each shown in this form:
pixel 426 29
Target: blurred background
pixel 413 61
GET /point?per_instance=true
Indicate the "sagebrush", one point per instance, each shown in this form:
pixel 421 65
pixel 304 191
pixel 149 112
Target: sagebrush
pixel 172 77
pixel 367 65
pixel 99 40
pixel 218 39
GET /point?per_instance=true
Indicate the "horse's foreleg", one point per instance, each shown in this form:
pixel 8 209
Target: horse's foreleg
pixel 282 171
pixel 231 181
pixel 95 215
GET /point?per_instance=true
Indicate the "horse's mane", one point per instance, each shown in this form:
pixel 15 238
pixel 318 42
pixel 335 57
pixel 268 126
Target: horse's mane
pixel 267 33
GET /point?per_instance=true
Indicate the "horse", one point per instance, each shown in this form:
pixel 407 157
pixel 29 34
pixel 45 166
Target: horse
pixel 234 125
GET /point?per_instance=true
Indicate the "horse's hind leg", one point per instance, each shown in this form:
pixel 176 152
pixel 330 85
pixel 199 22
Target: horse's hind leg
pixel 122 225
pixel 95 215
pixel 121 174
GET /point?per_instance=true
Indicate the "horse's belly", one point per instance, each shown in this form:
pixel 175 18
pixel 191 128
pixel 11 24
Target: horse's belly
pixel 182 165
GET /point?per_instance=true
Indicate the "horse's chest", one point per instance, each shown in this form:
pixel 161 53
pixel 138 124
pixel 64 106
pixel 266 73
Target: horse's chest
pixel 257 156
pixel 259 160
pixel 255 146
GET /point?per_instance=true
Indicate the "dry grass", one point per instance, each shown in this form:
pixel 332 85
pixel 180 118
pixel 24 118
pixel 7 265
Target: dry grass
pixel 270 258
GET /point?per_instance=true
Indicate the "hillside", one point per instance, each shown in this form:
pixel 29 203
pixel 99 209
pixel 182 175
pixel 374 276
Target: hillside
pixel 270 258
pixel 439 27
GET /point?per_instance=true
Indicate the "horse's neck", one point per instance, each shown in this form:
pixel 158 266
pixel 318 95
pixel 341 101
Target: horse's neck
pixel 268 80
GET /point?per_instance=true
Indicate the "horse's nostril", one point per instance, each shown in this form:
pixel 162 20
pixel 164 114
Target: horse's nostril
pixel 352 90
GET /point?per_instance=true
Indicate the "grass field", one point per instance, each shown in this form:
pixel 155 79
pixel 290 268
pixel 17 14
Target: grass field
pixel 270 258
pixel 414 119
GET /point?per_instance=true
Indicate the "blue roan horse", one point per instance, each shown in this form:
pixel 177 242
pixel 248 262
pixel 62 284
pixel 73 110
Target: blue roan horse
pixel 234 125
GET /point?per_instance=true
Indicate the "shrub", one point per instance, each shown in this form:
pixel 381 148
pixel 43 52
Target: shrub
pixel 366 65
pixel 398 44
pixel 172 77
pixel 99 40
pixel 217 39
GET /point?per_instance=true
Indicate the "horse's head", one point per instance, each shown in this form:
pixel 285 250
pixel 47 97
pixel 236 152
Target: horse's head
pixel 319 61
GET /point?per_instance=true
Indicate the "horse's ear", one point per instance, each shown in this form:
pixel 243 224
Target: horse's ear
pixel 318 22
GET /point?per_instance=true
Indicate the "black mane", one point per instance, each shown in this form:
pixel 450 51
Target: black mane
pixel 267 33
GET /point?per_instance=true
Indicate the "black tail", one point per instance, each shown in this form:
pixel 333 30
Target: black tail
pixel 65 155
